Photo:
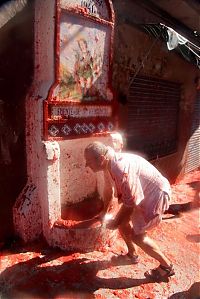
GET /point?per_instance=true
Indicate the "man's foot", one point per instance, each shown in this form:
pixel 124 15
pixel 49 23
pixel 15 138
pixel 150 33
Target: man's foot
pixel 133 258
pixel 161 273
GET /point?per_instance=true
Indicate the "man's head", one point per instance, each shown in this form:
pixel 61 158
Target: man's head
pixel 96 156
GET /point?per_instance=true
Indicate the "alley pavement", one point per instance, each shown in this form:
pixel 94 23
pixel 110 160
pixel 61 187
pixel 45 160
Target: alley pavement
pixel 37 271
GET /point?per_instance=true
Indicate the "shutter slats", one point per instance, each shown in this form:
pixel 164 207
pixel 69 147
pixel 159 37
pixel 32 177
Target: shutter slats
pixel 152 116
pixel 193 158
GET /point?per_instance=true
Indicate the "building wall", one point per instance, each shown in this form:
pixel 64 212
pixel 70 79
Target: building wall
pixel 139 53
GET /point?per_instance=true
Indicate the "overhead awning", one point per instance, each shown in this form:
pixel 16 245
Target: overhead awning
pixel 174 40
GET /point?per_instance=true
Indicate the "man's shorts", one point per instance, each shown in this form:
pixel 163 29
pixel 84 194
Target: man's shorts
pixel 149 216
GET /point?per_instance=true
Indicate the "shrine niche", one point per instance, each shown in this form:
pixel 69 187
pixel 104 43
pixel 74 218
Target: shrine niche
pixel 81 101
pixel 69 105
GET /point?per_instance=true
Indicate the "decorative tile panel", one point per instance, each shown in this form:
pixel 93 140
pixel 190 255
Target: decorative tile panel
pixel 92 127
pixel 81 102
pixel 101 127
pixel 83 111
pixel 96 8
pixel 80 129
pixel 53 131
pixel 84 61
pixel 66 130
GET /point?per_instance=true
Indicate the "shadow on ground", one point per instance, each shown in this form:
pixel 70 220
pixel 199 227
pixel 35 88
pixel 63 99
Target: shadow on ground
pixel 192 293
pixel 193 238
pixel 72 276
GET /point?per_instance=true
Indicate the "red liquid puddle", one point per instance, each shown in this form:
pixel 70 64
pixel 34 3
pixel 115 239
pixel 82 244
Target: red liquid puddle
pixel 83 210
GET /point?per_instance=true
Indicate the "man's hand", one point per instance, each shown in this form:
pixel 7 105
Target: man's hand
pixel 101 215
pixel 123 214
pixel 112 224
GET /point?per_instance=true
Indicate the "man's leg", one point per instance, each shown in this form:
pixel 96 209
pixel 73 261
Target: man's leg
pixel 152 249
pixel 165 269
pixel 127 234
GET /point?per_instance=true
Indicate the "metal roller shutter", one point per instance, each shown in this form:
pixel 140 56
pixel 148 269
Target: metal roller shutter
pixel 153 106
pixel 193 158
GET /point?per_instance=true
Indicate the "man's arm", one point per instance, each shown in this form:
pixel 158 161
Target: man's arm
pixel 108 195
pixel 123 215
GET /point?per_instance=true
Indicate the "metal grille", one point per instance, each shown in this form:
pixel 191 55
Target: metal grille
pixel 193 159
pixel 153 106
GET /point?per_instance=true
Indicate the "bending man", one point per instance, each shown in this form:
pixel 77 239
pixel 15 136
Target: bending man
pixel 144 194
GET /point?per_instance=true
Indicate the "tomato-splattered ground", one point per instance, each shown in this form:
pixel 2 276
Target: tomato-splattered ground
pixel 37 271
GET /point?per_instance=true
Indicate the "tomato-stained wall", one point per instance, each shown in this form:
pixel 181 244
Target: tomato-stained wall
pixel 55 164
